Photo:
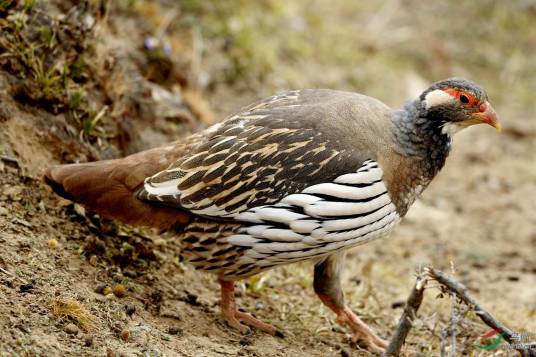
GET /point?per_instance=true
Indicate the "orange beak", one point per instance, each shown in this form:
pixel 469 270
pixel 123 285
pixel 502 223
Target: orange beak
pixel 487 115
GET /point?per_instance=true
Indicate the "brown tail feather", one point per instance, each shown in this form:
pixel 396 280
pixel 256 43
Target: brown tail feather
pixel 109 187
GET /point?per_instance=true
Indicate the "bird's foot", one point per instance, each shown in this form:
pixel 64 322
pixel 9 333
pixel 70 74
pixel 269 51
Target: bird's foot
pixel 240 320
pixel 361 330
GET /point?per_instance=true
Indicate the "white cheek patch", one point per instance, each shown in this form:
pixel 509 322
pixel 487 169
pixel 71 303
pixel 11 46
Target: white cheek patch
pixel 451 128
pixel 437 97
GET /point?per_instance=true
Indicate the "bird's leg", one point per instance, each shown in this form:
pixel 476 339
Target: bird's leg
pixel 327 285
pixel 239 319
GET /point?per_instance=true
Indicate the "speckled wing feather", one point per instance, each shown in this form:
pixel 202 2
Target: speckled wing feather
pixel 280 175
pixel 256 157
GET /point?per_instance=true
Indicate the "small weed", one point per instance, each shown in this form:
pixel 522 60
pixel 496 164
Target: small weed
pixel 53 73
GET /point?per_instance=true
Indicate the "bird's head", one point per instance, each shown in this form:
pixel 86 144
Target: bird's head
pixel 457 103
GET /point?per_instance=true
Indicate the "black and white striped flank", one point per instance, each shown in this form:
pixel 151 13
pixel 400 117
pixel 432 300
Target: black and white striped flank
pixel 321 219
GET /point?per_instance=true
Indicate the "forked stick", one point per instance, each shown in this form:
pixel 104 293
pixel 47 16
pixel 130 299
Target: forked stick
pixel 461 292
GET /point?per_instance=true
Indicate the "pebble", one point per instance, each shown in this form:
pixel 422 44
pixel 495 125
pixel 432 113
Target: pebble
pixel 246 340
pixel 130 309
pixel 26 288
pixel 125 334
pixel 71 329
pixel 93 260
pixel 3 211
pixel 100 288
pixel 129 273
pixel 191 299
pixel 88 340
pixel 345 353
pixel 398 304
pixel 174 330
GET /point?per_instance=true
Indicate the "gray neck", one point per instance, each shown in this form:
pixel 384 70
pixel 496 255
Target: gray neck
pixel 419 134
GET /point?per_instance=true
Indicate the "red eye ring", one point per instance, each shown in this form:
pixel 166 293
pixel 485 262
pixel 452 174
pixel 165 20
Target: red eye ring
pixel 463 97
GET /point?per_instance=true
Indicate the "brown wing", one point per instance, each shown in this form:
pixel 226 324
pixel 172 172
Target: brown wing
pixel 269 150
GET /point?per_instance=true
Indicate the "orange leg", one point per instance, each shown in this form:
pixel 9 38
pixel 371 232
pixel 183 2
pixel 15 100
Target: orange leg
pixel 327 286
pixel 238 319
pixel 361 330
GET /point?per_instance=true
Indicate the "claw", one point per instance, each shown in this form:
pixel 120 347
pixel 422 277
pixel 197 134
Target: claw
pixel 239 318
pixel 361 330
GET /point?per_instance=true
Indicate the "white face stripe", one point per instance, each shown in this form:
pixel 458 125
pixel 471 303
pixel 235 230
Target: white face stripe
pixel 437 97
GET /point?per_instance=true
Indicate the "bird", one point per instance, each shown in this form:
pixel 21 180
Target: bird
pixel 302 175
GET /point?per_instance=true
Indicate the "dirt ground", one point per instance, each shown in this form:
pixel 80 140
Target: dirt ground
pixel 72 284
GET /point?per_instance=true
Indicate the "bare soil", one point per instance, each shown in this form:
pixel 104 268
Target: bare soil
pixel 477 220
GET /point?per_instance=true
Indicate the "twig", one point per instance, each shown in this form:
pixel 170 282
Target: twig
pixel 462 293
pixel 10 160
pixel 443 342
pixel 408 316
pixel 13 275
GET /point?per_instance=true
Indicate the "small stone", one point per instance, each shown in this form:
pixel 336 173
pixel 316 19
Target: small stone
pixel 26 288
pixel 79 210
pixel 160 241
pixel 93 260
pixel 130 309
pixel 129 273
pixel 398 304
pixel 125 334
pixel 3 211
pixel 345 353
pixel 174 330
pixel 246 340
pixel 192 299
pixel 71 329
pixel 88 340
pixel 52 243
pixel 119 290
pixel 101 288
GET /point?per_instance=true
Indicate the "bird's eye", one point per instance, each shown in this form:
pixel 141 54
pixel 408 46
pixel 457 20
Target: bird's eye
pixel 464 99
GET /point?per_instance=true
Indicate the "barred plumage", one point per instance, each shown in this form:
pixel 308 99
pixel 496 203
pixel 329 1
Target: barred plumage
pixel 316 222
pixel 301 175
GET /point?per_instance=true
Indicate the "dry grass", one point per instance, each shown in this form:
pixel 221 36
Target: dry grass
pixel 69 308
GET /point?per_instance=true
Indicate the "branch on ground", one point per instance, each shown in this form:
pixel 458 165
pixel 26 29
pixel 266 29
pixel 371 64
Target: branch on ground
pixel 408 316
pixel 460 291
